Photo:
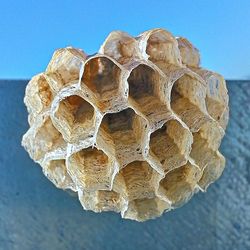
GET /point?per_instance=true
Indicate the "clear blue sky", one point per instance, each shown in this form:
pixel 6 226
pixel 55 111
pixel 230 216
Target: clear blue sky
pixel 31 30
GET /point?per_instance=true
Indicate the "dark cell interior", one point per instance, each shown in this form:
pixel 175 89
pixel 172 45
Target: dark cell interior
pixel 101 75
pixel 77 107
pixel 119 121
pixel 141 82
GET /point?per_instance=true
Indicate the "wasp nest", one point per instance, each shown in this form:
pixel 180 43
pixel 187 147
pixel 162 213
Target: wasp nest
pixel 134 128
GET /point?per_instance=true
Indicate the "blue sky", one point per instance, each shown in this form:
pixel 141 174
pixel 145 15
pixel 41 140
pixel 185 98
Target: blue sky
pixel 31 30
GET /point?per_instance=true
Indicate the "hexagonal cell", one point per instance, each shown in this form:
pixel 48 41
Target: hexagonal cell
pixel 38 95
pixel 120 46
pixel 140 180
pixel 189 54
pixel 217 97
pixel 123 133
pixel 144 209
pixel 188 102
pixel 162 46
pixel 102 76
pixel 170 145
pixel 109 201
pixel 57 173
pixel 43 139
pixel 213 133
pixel 212 171
pixel 179 184
pixel 64 67
pixel 214 108
pixel 211 162
pixel 102 200
pixel 75 118
pixel 92 169
pixel 145 89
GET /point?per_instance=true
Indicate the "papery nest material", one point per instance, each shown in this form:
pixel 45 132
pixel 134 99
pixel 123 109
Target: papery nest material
pixel 134 128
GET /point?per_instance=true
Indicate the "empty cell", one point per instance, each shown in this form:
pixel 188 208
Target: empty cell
pixel 139 180
pixel 171 145
pixel 64 67
pixel 46 139
pixel 109 201
pixel 210 162
pixel 179 184
pixel 92 169
pixel 102 76
pixel 188 102
pixel 215 108
pixel 101 200
pixel 124 132
pixel 144 209
pixel 38 95
pixel 217 97
pixel 212 171
pixel 212 132
pixel 162 46
pixel 145 88
pixel 120 46
pixel 189 54
pixel 56 172
pixel 201 153
pixel 76 117
pixel 142 82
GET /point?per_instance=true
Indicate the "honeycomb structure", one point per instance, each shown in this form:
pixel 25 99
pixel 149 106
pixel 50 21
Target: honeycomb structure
pixel 133 129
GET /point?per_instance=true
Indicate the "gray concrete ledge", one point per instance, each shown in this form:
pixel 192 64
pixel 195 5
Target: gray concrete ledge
pixel 36 215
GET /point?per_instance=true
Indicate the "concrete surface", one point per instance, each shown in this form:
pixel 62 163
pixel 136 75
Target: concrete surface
pixel 36 215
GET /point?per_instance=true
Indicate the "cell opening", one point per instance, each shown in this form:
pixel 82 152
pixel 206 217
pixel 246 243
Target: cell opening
pixel 64 67
pixel 102 77
pixel 188 102
pixel 171 145
pixel 124 132
pixel 142 82
pixel 144 209
pixel 214 108
pixel 189 54
pixel 92 169
pixel 44 91
pixel 109 201
pixel 162 46
pixel 145 86
pixel 212 133
pixel 200 152
pixel 76 116
pixel 47 139
pixel 212 171
pixel 38 94
pixel 101 200
pixel 120 46
pixel 179 184
pixel 139 180
pixel 216 98
pixel 56 171
pixel 210 162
